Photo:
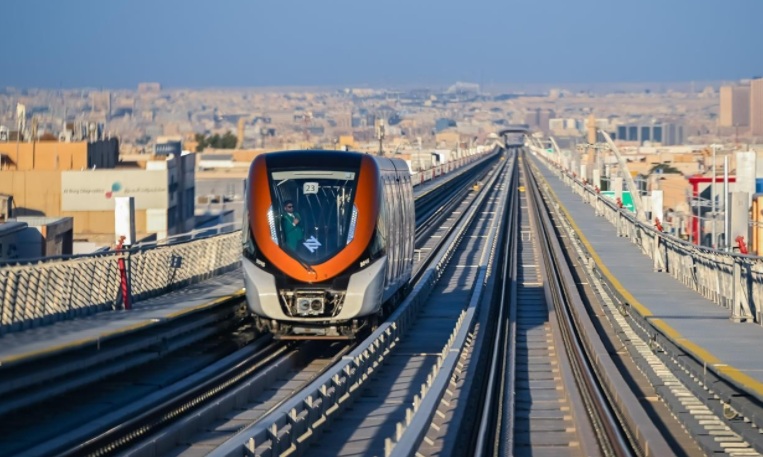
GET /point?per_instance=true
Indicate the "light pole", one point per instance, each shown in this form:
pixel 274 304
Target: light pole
pixel 712 194
pixel 380 135
pixel 726 213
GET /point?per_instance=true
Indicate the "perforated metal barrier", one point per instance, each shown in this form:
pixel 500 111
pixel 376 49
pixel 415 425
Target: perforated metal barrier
pixel 52 290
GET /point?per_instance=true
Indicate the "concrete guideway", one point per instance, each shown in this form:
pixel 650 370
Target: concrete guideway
pixel 723 353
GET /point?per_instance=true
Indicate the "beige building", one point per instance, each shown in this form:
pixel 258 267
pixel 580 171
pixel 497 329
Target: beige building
pixel 58 155
pixel 58 180
pixel 756 106
pixel 101 102
pixel 735 106
pixel 149 88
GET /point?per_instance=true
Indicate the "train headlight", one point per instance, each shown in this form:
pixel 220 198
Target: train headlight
pixel 353 223
pixel 272 225
pixel 309 305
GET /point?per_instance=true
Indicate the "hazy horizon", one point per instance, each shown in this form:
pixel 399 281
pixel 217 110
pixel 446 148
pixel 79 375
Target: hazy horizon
pixel 298 43
pixel 486 88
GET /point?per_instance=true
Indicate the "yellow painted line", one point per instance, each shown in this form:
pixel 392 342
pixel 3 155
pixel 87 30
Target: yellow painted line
pixel 697 351
pixel 238 294
pixel 121 331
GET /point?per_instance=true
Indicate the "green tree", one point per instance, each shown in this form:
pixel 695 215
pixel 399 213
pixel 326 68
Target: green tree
pixel 664 168
pixel 226 141
pixel 201 142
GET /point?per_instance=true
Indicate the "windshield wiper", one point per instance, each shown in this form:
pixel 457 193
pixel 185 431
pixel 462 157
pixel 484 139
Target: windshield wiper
pixel 307 267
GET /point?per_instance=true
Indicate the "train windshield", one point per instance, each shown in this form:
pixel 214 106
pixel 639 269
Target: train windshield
pixel 313 215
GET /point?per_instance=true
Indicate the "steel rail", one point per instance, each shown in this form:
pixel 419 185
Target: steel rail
pixel 624 428
pixel 503 358
pixel 432 391
pixel 147 421
pixel 612 438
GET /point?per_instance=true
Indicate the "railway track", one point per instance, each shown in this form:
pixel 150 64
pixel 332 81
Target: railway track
pixel 552 385
pixel 368 401
pixel 492 353
pixel 529 371
pixel 262 375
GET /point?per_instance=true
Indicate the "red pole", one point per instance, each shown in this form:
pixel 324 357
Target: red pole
pixel 742 245
pixel 657 224
pixel 123 277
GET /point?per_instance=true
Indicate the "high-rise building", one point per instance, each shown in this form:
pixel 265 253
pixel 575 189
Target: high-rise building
pixel 735 106
pixel 664 133
pixel 101 102
pixel 756 106
pixel 539 118
pixel 544 116
pixel 149 88
pixel 531 117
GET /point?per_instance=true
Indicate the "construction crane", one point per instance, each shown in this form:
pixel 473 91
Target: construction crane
pixel 627 178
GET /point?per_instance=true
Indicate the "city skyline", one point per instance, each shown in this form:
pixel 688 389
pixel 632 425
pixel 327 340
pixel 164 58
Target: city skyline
pixel 300 43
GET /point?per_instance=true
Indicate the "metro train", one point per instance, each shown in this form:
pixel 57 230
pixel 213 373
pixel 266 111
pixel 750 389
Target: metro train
pixel 328 241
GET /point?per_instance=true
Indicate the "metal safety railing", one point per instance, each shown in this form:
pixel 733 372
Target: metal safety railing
pixel 731 280
pixel 43 292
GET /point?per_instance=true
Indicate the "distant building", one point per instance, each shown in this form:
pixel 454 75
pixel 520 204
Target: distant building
pixel 569 125
pixel 149 88
pixel 735 106
pixel 538 118
pixel 462 88
pixel 756 106
pixel 35 237
pixel 666 133
pixel 58 155
pixel 209 161
pixel 101 103
pixel 344 120
pixel 11 241
pixel 80 180
pixel 443 123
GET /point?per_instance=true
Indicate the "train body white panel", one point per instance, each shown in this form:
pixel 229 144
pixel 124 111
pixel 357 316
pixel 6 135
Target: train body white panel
pixel 364 291
pixel 261 291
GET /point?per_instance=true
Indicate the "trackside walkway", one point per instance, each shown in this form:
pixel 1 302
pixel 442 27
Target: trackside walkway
pixel 691 321
pixel 48 339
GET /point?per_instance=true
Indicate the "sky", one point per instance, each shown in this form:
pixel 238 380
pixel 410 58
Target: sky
pixel 246 43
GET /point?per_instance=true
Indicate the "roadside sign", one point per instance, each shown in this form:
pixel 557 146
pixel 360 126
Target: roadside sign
pixel 627 199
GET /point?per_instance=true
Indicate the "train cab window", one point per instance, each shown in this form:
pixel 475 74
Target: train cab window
pixel 313 215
